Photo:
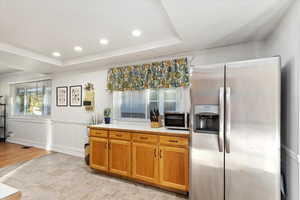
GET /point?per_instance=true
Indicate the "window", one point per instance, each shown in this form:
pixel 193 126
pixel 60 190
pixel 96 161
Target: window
pixel 136 105
pixel 132 105
pixel 32 98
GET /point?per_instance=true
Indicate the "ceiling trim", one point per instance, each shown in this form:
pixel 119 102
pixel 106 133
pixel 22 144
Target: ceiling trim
pixel 15 67
pixel 131 50
pixel 121 52
pixel 28 54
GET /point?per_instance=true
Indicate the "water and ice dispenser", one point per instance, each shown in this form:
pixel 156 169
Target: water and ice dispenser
pixel 206 118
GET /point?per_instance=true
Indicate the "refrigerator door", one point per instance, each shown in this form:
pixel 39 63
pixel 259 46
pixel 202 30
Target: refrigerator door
pixel 207 148
pixel 252 130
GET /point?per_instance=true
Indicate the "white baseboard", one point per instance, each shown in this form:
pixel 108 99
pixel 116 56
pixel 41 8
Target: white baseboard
pixel 27 142
pixel 56 148
pixel 68 150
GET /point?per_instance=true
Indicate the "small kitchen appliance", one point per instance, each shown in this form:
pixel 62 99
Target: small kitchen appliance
pixel 177 120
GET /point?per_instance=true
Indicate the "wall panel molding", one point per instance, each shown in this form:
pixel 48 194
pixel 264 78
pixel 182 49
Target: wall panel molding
pixel 29 120
pixel 69 122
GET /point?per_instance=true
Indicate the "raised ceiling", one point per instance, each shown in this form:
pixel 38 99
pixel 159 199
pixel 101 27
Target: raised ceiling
pixel 31 30
pixel 4 69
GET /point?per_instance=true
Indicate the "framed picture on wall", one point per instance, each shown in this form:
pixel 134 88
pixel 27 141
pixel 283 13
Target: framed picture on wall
pixel 76 95
pixel 62 96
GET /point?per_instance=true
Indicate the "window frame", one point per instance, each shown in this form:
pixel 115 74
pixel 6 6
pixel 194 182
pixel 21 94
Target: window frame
pixel 25 114
pixel 160 100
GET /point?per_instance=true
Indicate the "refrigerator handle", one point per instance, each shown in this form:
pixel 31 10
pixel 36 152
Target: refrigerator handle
pixel 228 120
pixel 221 117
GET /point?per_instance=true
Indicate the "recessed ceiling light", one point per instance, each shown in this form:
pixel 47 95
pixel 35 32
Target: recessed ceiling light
pixel 104 41
pixel 56 54
pixel 78 48
pixel 136 33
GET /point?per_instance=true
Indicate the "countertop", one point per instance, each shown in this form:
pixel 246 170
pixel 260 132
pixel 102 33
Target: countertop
pixel 142 128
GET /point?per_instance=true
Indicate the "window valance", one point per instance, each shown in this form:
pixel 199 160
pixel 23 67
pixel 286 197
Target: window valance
pixel 165 74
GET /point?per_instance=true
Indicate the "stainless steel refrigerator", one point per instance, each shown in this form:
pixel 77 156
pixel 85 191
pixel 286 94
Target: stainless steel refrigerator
pixel 235 142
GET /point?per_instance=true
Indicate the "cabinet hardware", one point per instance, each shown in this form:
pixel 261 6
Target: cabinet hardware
pixel 160 153
pixel 144 138
pixel 174 141
pixel 154 153
pixel 118 135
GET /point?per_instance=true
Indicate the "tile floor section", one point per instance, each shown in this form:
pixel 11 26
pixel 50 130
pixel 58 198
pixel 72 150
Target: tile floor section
pixel 62 177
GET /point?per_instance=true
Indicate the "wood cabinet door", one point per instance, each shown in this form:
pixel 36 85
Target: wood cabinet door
pixel 173 167
pixel 120 157
pixel 99 153
pixel 145 162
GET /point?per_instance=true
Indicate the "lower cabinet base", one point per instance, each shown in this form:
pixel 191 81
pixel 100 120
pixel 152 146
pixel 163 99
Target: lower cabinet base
pixel 152 159
pixel 141 182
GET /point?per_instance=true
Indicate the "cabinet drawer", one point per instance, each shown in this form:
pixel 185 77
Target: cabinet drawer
pixel 173 141
pixel 145 138
pixel 98 133
pixel 119 135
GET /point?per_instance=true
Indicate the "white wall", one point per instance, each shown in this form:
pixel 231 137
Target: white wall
pixel 285 41
pixel 66 130
pixel 243 51
pixel 69 132
pixel 28 131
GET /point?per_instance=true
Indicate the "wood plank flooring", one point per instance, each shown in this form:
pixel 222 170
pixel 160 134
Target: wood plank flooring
pixel 11 154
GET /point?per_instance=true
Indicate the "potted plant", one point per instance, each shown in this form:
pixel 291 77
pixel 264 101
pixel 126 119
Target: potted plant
pixel 107 113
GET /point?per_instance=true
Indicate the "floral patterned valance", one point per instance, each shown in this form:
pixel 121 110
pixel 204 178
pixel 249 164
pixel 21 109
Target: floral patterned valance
pixel 165 74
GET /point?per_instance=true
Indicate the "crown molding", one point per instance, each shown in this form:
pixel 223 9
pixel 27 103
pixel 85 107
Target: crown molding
pixel 131 50
pixel 28 54
pixel 121 52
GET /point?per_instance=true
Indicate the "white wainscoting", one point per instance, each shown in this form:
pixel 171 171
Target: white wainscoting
pixel 69 137
pixel 61 136
pixel 29 131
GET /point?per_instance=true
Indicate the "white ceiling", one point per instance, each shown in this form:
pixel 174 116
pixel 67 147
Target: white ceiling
pixel 4 69
pixel 31 30
pixel 219 23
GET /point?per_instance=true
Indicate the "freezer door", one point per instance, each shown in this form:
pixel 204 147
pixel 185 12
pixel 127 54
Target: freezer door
pixel 207 149
pixel 252 130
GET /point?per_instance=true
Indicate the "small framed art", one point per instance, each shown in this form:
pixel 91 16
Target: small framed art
pixel 76 95
pixel 62 96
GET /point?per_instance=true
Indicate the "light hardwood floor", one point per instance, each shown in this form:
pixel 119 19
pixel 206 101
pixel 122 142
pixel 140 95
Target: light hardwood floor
pixel 11 154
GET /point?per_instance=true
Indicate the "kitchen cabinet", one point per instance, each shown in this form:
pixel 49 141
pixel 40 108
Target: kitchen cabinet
pixel 99 153
pixel 160 160
pixel 119 157
pixel 173 167
pixel 145 162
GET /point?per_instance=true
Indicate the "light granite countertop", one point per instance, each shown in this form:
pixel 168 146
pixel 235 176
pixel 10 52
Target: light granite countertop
pixel 143 128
